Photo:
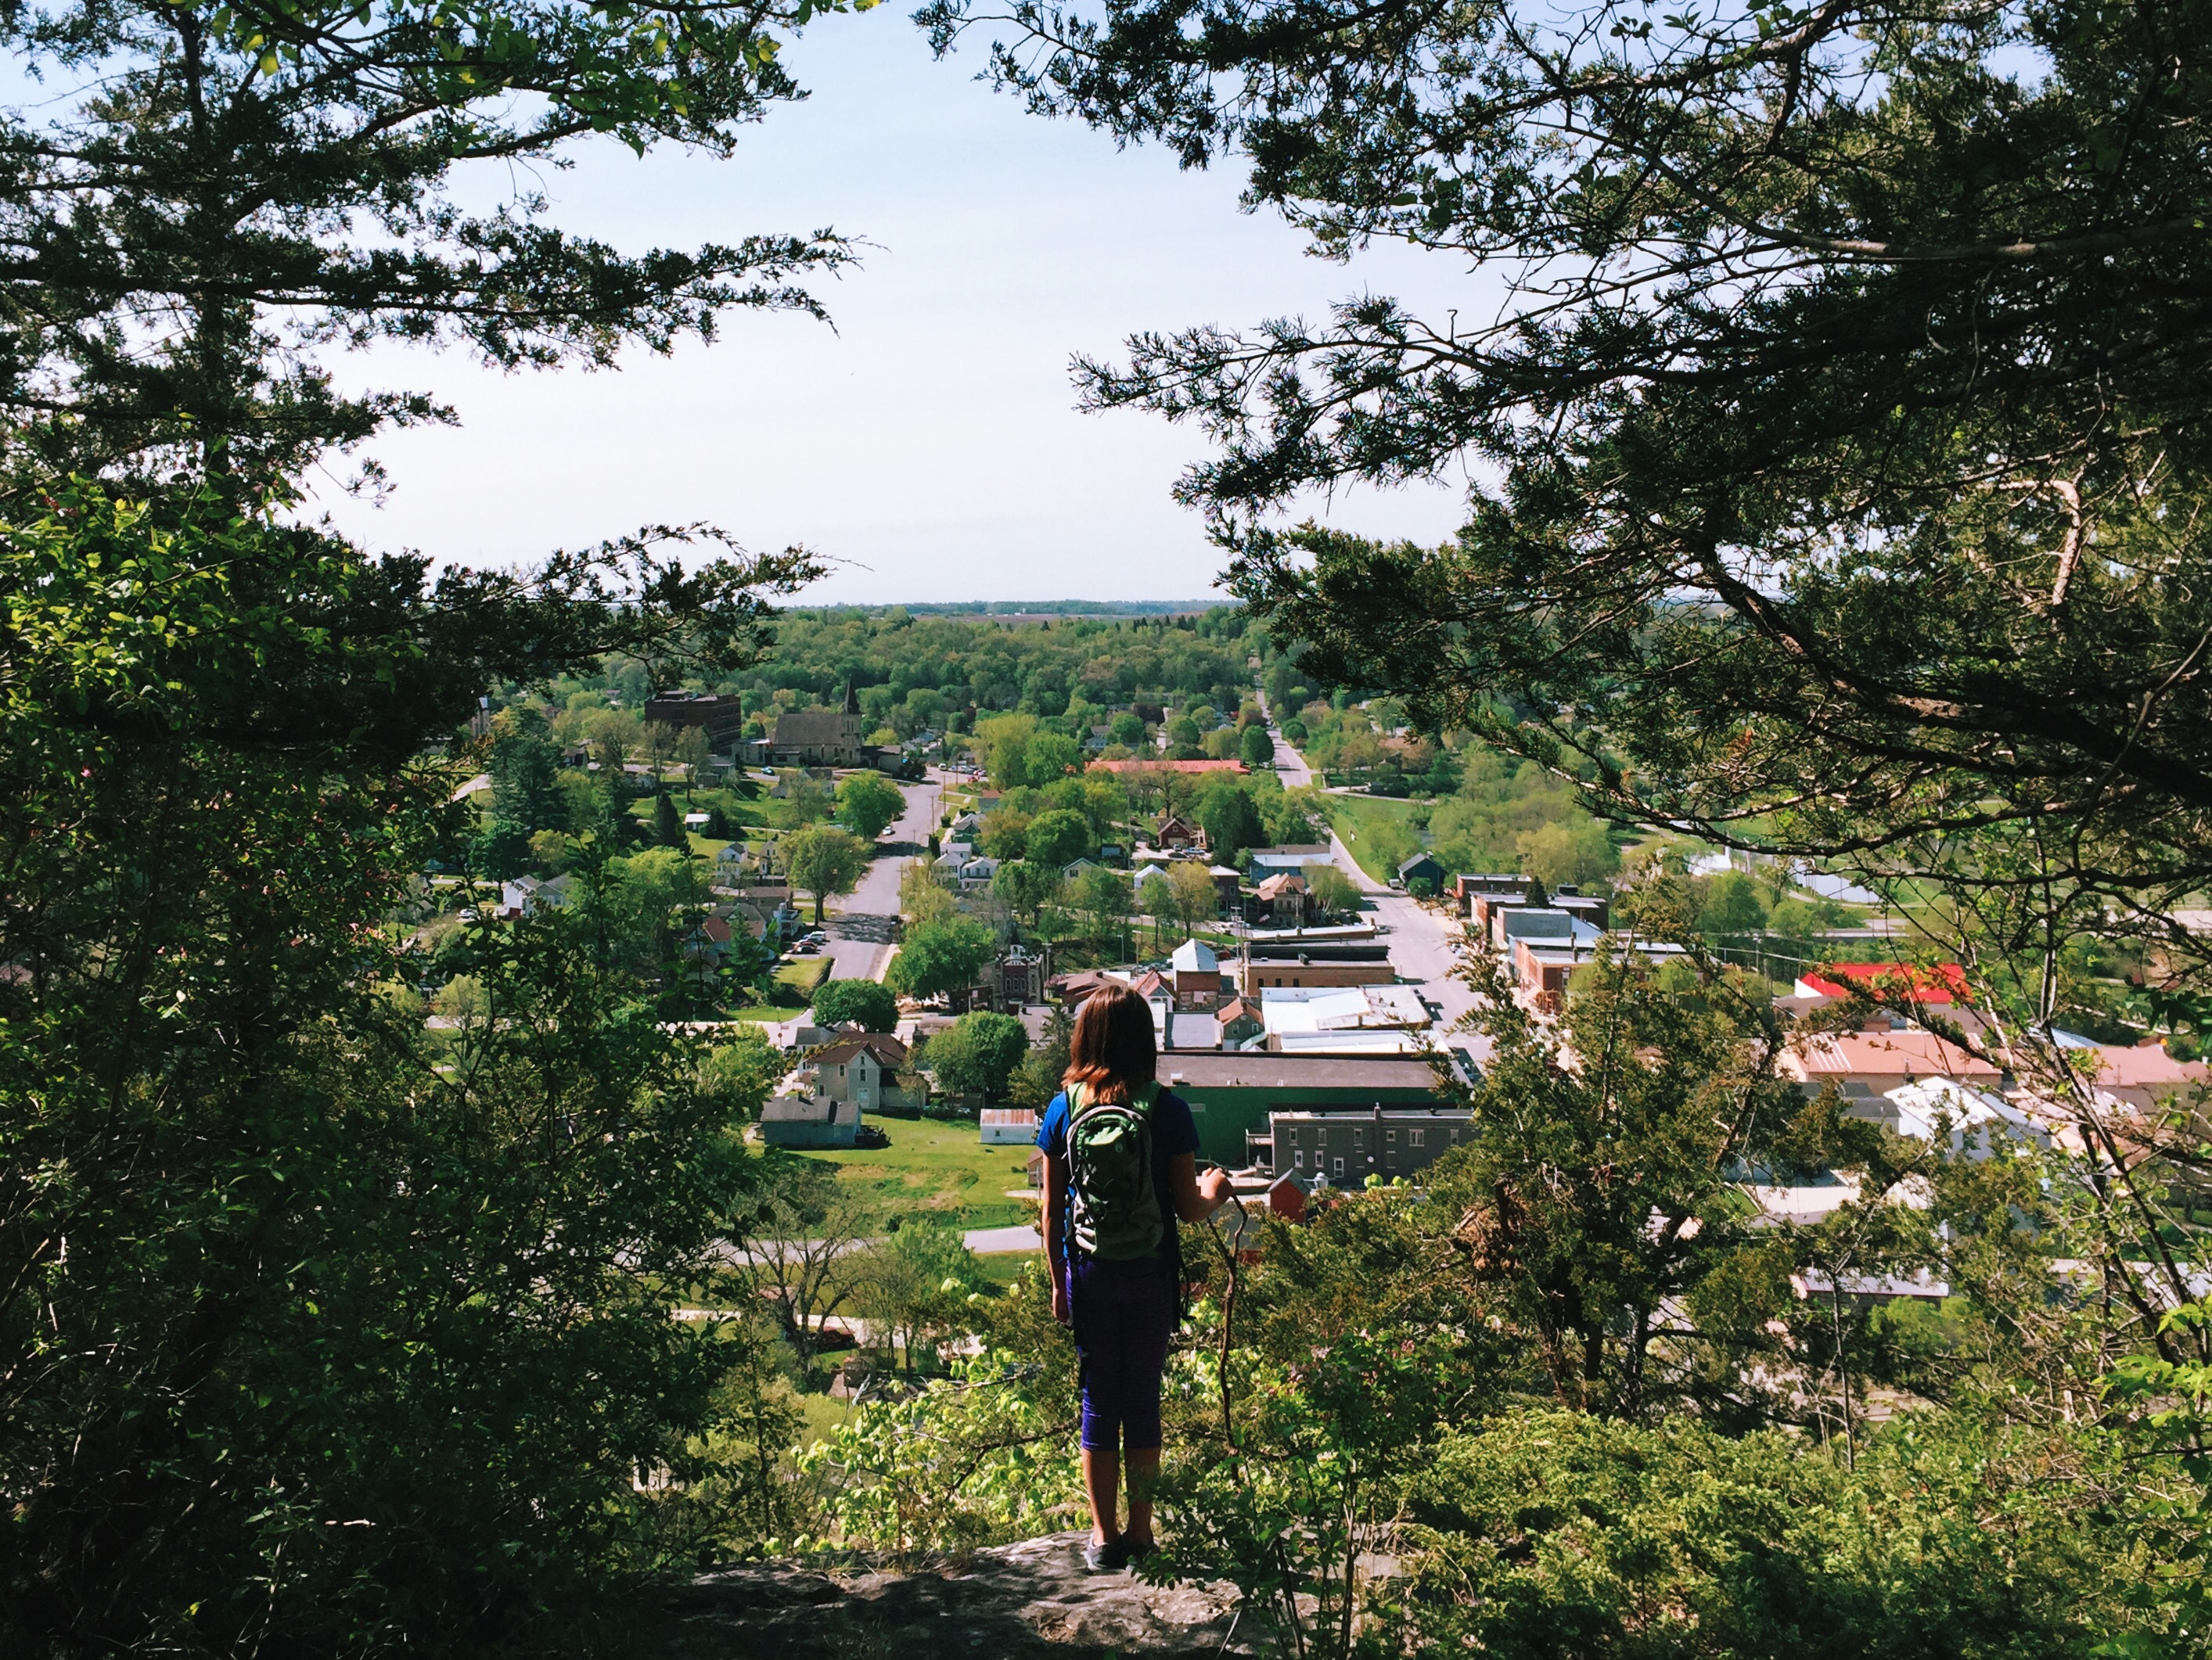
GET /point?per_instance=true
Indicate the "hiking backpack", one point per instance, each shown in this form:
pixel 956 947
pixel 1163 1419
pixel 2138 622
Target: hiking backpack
pixel 1114 1212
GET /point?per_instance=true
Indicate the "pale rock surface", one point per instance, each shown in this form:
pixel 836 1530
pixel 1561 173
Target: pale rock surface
pixel 1029 1600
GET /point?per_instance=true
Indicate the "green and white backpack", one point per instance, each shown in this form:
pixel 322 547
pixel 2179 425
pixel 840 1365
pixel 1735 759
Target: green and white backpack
pixel 1114 1212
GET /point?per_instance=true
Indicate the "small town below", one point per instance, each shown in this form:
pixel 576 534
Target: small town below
pixel 1561 1009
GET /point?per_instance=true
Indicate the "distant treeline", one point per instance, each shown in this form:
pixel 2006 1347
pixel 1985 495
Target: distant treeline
pixel 1053 608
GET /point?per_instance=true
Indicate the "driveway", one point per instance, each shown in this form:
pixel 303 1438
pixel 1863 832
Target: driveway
pixel 859 925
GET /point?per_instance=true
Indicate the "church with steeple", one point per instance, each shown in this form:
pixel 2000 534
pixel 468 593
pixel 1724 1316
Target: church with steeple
pixel 819 737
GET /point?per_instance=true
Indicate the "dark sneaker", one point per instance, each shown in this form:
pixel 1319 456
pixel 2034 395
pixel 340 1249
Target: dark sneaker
pixel 1106 1558
pixel 1135 1550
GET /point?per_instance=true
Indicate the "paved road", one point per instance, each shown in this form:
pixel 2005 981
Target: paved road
pixel 1290 766
pixel 985 1240
pixel 859 925
pixel 1425 943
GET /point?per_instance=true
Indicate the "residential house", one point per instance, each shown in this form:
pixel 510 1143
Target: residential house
pixel 1008 1126
pixel 2134 1077
pixel 1174 832
pixel 1074 990
pixel 1421 868
pixel 1344 1148
pixel 1977 1125
pixel 1228 887
pixel 519 897
pixel 1237 1021
pixel 1282 901
pixel 1861 1064
pixel 861 1068
pixel 810 1121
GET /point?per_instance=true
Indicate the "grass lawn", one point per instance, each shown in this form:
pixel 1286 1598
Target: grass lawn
pixel 1003 1268
pixel 1357 818
pixel 805 976
pixel 824 1413
pixel 938 1170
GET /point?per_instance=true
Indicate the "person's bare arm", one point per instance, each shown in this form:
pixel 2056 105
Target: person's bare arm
pixel 1194 1197
pixel 1056 1224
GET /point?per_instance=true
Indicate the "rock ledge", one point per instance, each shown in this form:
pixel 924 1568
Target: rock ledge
pixel 1029 1600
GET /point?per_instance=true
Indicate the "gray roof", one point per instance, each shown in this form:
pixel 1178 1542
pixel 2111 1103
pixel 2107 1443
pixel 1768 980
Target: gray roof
pixel 1265 1069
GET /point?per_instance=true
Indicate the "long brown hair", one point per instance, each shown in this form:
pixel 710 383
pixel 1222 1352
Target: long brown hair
pixel 1112 1051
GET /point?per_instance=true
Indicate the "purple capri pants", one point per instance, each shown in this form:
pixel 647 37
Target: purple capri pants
pixel 1125 1313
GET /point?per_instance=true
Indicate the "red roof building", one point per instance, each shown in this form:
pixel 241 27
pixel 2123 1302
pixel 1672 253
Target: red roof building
pixel 1932 983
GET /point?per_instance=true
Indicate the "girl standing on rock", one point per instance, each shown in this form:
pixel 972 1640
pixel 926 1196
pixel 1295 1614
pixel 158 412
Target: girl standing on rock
pixel 1121 1166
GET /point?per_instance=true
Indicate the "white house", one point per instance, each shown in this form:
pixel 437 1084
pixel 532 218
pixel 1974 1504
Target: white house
pixel 1975 1125
pixel 1008 1126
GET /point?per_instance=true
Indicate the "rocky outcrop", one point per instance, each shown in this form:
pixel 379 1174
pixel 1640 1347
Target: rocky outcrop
pixel 1031 1600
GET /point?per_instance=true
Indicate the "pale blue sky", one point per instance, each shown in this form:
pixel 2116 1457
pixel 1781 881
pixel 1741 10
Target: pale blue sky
pixel 930 442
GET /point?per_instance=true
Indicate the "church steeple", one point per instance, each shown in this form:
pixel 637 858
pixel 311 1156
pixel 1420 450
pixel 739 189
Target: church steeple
pixel 852 698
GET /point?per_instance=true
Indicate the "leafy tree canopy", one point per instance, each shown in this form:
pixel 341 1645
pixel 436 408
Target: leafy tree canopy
pixel 863 1002
pixel 867 803
pixel 976 1055
pixel 241 183
pixel 946 955
pixel 823 859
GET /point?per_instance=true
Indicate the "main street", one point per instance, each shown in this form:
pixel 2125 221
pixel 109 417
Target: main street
pixel 1425 943
pixel 859 925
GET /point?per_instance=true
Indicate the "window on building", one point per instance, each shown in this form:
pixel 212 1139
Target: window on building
pixel 1339 1167
pixel 1390 1135
pixel 1413 1137
pixel 1359 1140
pixel 1298 1158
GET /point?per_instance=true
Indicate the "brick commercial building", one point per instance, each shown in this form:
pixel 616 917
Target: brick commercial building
pixel 722 719
pixel 1312 963
pixel 1345 1149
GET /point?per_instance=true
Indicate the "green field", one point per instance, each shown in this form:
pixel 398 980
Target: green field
pixel 937 1169
pixel 1358 818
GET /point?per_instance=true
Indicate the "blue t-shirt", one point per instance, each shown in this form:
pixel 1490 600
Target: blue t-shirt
pixel 1174 1131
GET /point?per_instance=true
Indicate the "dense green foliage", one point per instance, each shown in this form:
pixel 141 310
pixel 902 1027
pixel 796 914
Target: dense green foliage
pixel 868 803
pixel 319 1323
pixel 976 1055
pixel 863 1002
pixel 1579 1403
pixel 914 671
